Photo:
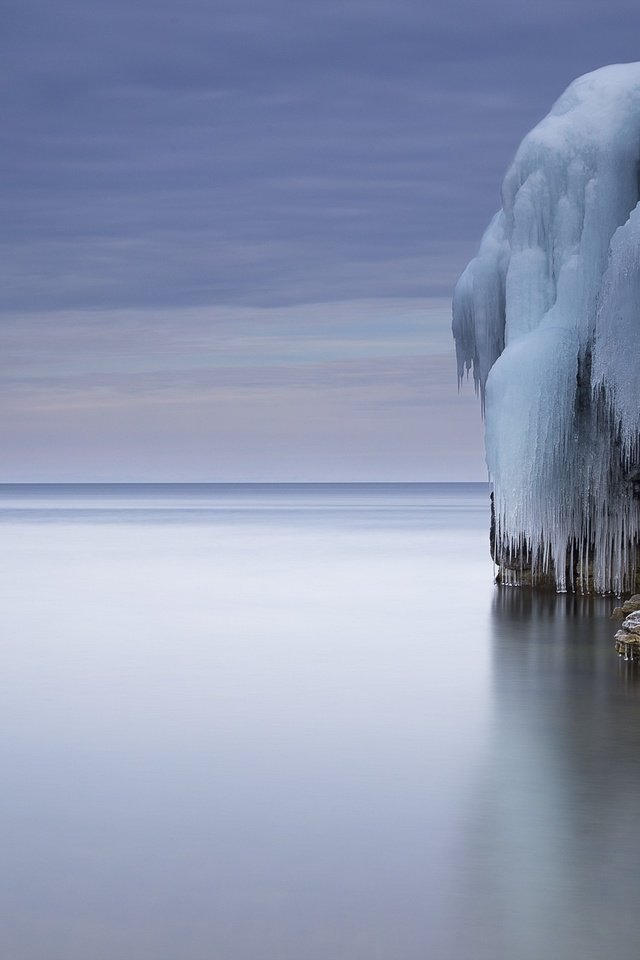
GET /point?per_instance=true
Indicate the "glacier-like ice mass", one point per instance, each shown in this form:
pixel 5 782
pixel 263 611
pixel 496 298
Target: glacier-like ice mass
pixel 547 316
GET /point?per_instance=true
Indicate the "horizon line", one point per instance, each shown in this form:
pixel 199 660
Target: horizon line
pixel 235 483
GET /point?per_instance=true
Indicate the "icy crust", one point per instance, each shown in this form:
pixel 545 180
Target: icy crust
pixel 547 316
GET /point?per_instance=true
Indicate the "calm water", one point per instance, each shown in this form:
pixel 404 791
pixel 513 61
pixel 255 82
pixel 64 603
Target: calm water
pixel 300 723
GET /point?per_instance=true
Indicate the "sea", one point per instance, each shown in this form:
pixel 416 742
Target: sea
pixel 301 722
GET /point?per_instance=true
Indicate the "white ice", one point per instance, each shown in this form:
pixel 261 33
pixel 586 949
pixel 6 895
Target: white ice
pixel 547 317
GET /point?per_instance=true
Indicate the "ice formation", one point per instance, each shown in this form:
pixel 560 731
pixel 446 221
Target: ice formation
pixel 547 316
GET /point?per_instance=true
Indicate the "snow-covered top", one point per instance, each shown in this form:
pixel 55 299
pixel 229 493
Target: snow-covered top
pixel 548 315
pixel 593 106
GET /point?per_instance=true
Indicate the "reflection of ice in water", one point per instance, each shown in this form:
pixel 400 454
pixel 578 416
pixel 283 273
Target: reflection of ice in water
pixel 551 854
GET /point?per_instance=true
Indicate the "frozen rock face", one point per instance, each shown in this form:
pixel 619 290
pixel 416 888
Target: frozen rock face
pixel 547 317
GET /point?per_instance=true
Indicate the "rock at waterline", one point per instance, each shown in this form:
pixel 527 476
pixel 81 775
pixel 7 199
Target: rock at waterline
pixel 627 639
pixel 629 606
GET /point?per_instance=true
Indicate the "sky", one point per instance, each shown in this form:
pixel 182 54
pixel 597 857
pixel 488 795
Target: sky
pixel 232 228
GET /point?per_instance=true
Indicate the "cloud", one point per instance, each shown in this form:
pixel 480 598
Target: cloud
pixel 68 344
pixel 268 153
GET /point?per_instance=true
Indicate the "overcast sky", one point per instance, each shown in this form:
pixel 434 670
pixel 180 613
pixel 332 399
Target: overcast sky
pixel 231 228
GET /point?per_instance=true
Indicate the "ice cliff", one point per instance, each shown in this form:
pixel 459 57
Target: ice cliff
pixel 547 316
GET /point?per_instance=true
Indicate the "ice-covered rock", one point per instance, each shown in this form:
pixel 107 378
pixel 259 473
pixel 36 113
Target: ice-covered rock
pixel 627 645
pixel 632 623
pixel 547 318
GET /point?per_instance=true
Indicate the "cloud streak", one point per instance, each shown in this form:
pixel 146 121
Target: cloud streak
pixel 199 192
pixel 351 390
pixel 264 153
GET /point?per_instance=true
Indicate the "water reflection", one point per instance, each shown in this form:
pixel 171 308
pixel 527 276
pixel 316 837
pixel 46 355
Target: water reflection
pixel 273 730
pixel 233 723
pixel 553 850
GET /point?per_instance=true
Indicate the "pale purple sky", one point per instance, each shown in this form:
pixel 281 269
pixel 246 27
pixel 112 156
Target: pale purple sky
pixel 232 228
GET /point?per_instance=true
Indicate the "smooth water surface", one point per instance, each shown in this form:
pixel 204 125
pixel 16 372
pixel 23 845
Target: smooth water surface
pixel 301 723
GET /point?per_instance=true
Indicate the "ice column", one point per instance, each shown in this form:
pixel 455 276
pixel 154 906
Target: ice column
pixel 547 318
